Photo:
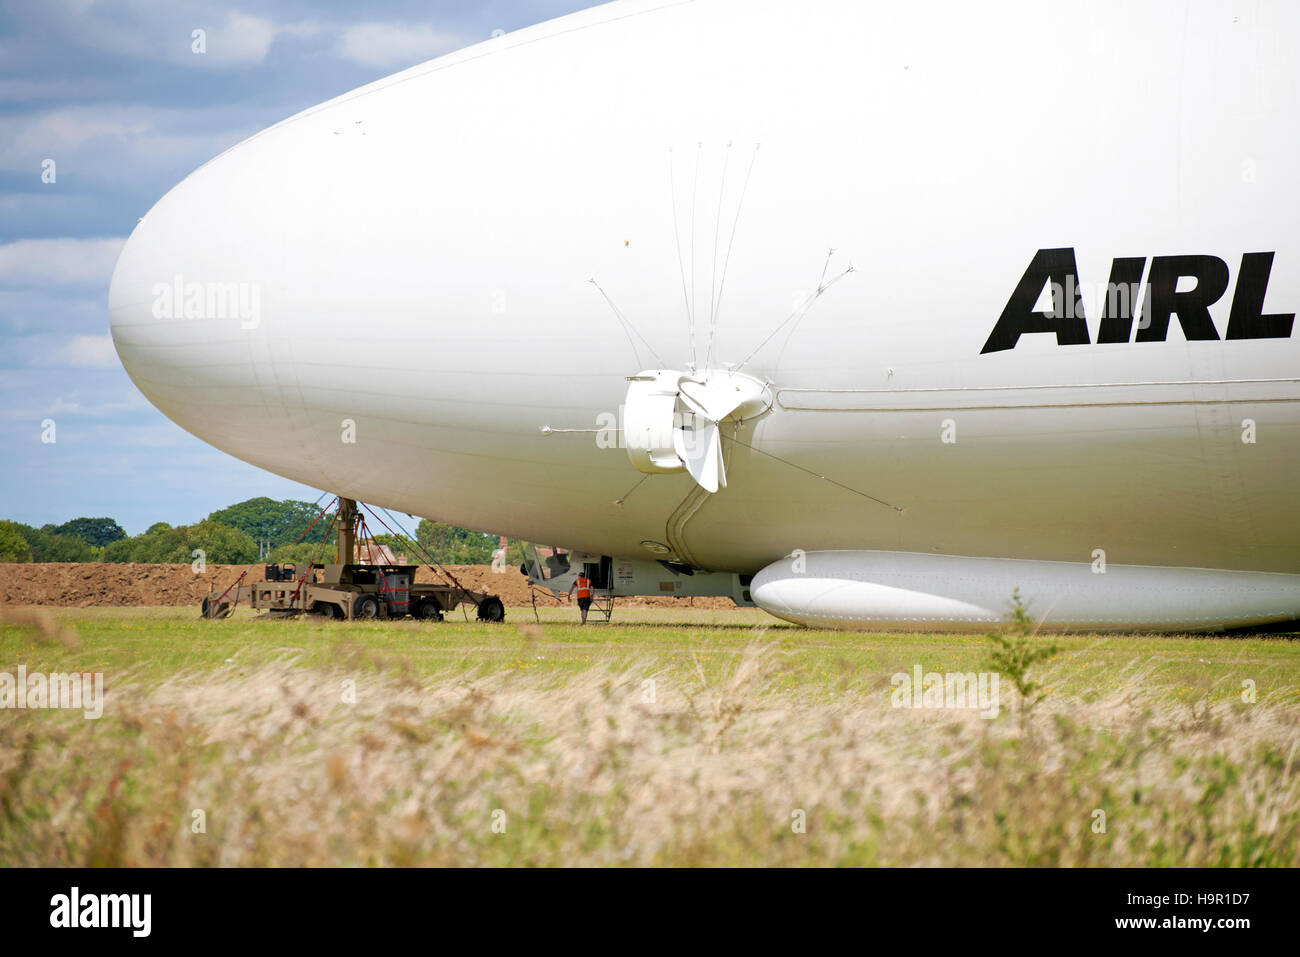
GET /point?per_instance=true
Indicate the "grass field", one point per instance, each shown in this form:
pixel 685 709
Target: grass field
pixel 670 737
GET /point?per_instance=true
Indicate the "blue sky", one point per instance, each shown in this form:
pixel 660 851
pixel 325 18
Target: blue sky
pixel 112 92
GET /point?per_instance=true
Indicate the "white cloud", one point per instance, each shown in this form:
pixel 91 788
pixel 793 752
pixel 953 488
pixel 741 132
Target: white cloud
pixel 63 130
pixel 243 39
pixel 101 144
pixel 27 91
pixel 60 405
pixel 35 262
pixel 154 30
pixel 396 44
pixel 95 352
pixel 34 311
pixel 31 394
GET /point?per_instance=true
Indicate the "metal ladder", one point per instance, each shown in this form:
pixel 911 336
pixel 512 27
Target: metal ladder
pixel 601 605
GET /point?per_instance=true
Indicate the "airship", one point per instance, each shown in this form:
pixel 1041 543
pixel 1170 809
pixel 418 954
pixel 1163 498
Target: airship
pixel 870 314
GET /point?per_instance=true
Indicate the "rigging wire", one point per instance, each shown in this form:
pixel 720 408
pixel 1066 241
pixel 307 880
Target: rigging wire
pixel 681 269
pixel 429 560
pixel 731 242
pixel 798 313
pixel 320 545
pixel 627 326
pixel 824 478
pixel 695 189
pixel 624 497
pixel 717 226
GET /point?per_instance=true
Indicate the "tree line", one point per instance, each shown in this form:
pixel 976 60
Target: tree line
pixel 235 535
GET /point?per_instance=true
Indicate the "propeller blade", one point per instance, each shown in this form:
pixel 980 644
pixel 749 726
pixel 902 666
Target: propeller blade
pixel 715 399
pixel 700 447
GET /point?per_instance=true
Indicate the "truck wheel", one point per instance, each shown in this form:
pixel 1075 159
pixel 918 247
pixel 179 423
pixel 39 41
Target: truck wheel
pixel 491 609
pixel 366 606
pixel 209 609
pixel 427 609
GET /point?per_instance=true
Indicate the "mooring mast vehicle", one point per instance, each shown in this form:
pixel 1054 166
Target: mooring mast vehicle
pixel 347 590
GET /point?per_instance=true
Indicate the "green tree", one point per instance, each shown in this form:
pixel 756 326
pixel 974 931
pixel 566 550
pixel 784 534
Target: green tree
pixel 1016 650
pixel 453 545
pixel 399 545
pixel 120 550
pixel 302 553
pixel 162 546
pixel 280 523
pixel 13 544
pixel 93 531
pixel 51 547
pixel 221 545
pixel 46 545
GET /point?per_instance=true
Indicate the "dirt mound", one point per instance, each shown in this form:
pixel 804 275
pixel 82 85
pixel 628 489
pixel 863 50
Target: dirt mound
pixel 80 585
pixel 84 584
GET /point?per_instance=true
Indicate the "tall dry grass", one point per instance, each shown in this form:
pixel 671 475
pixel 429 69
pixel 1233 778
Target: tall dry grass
pixel 587 772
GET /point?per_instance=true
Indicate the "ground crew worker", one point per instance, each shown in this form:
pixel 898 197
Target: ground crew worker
pixel 583 584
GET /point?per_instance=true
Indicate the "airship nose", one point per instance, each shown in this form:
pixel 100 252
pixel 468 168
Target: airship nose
pixel 191 295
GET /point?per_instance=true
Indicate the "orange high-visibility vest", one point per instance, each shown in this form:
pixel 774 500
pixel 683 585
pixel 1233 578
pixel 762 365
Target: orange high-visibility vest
pixel 584 587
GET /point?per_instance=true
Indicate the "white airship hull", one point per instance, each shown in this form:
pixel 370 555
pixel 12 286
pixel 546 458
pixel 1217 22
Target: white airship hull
pixel 417 327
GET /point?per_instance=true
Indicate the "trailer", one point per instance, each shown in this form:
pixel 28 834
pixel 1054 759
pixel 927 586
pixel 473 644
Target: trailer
pixel 349 590
pixel 352 592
